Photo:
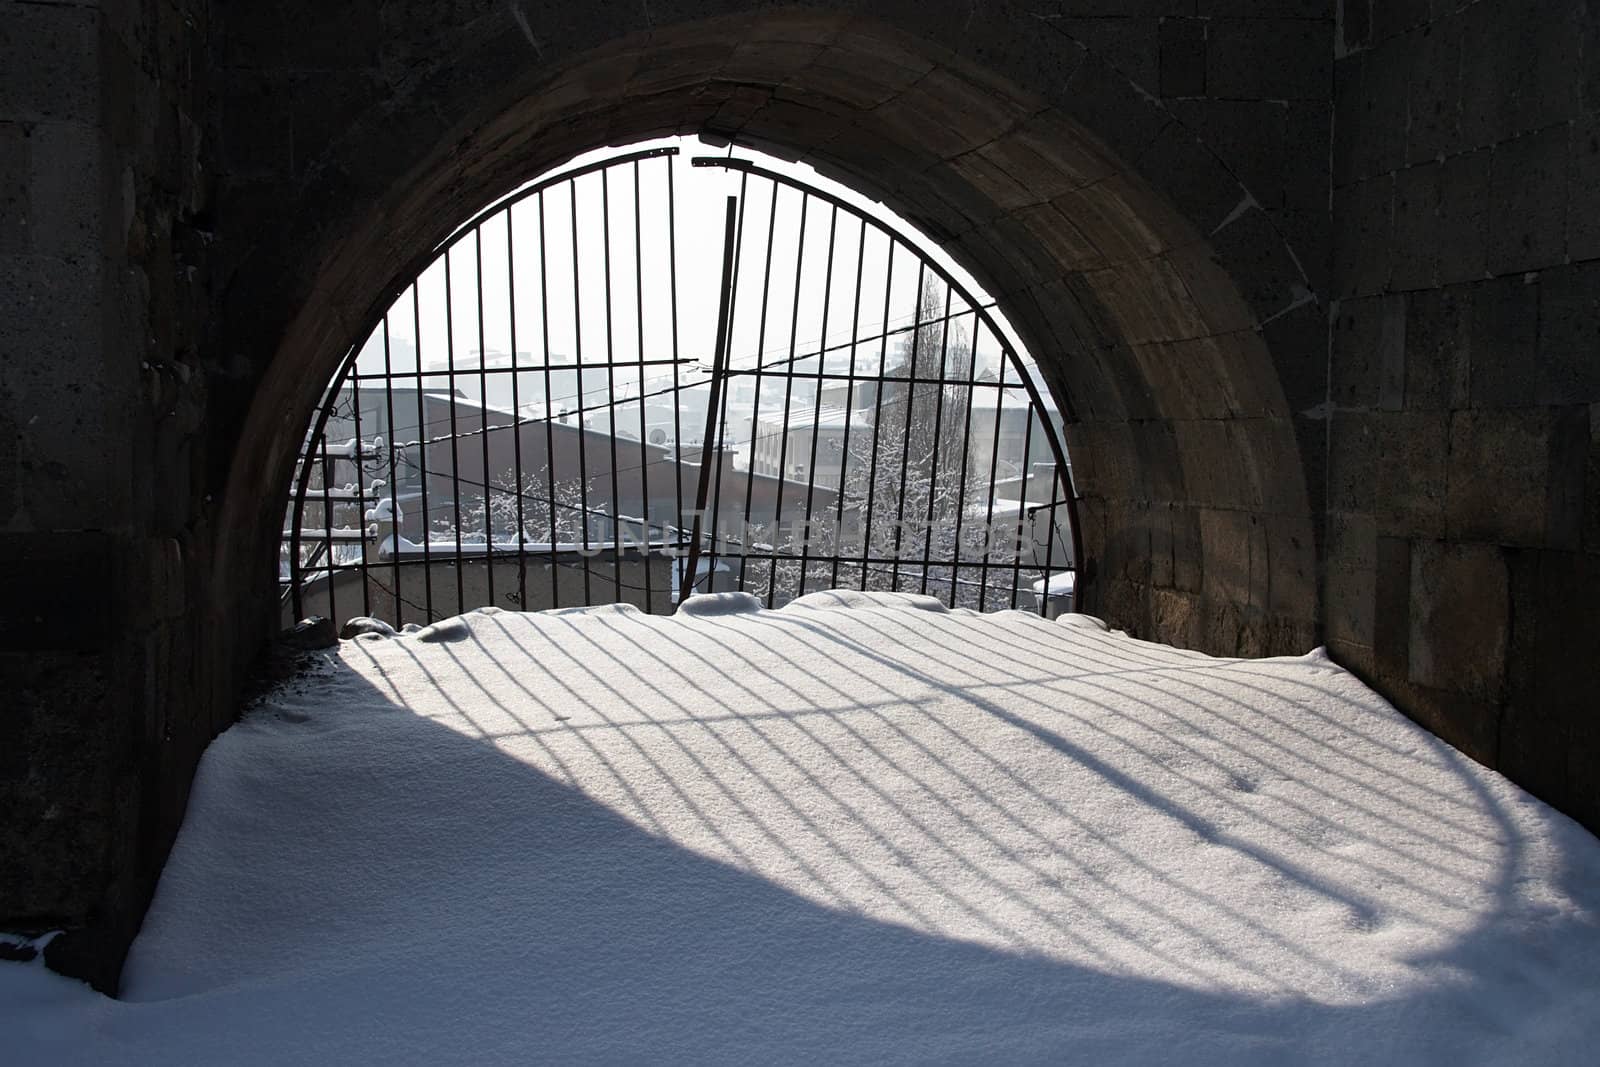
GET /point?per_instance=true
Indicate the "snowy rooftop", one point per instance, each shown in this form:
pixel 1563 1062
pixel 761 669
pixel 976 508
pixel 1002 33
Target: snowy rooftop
pixel 859 829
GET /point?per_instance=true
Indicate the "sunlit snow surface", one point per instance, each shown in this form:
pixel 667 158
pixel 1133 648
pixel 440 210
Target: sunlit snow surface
pixel 860 828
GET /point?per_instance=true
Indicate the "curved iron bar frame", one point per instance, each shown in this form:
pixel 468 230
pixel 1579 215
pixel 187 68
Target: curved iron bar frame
pixel 908 237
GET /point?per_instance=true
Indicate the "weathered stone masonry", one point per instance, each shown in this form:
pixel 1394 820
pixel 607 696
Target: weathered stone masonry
pixel 1312 280
pixel 1463 557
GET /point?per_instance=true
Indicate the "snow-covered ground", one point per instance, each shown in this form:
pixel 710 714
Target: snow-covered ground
pixel 858 829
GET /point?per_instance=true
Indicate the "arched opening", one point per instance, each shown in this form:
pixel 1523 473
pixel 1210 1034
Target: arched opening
pixel 586 397
pixel 1195 516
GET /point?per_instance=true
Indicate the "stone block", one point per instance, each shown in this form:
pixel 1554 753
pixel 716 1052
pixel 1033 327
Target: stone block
pixel 16 176
pixel 1175 617
pixel 1348 139
pixel 1350 589
pixel 1583 189
pixel 1015 155
pixel 1390 465
pixel 1569 486
pixel 1183 57
pixel 1469 723
pixel 1254 255
pixel 1591 496
pixel 1363 236
pixel 1261 481
pixel 1528 188
pixel 324 109
pixel 1127 43
pixel 1410 495
pixel 1298 343
pixel 54 736
pixel 1099 97
pixel 1225 536
pixel 68 193
pixel 1106 213
pixel 1487 55
pixel 1437 349
pixel 1503 337
pixel 1250 137
pixel 1390 18
pixel 1268 59
pixel 1380 123
pixel 854 78
pixel 1416 225
pixel 1199 373
pixel 61 591
pixel 1149 301
pixel 759 62
pixel 1351 444
pixel 1391 625
pixel 1497 478
pixel 1354 26
pixel 1463 222
pixel 952 114
pixel 1569 335
pixel 1182 379
pixel 1213 289
pixel 1433 98
pixel 1550 711
pixel 1045 62
pixel 1161 546
pixel 994 183
pixel 1460 618
pixel 1192 178
pixel 1368 344
pixel 49 63
pixel 1547 64
pixel 351 35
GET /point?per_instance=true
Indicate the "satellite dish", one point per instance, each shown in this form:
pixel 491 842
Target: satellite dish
pixel 658 436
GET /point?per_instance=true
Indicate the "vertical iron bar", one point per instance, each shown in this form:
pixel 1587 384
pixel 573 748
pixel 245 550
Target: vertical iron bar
pixel 583 431
pixel 394 471
pixel 516 414
pixel 877 415
pixel 549 410
pixel 966 455
pixel 361 491
pixel 722 423
pixel 644 442
pixel 719 360
pixel 938 418
pixel 1050 547
pixel 611 383
pixel 455 443
pixel 1022 501
pixel 788 401
pixel 905 451
pixel 994 465
pixel 308 464
pixel 423 433
pixel 755 407
pixel 849 407
pixel 677 384
pixel 816 415
pixel 327 519
pixel 483 421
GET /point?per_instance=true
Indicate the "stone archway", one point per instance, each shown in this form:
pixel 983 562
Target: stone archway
pixel 1159 298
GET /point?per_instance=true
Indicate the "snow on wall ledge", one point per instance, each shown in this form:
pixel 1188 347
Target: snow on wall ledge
pixel 862 828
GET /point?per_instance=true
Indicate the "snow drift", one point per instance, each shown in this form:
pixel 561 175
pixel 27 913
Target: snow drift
pixel 861 828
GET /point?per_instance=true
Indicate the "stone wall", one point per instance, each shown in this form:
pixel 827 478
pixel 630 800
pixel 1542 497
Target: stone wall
pixel 1463 558
pixel 1311 285
pixel 104 485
